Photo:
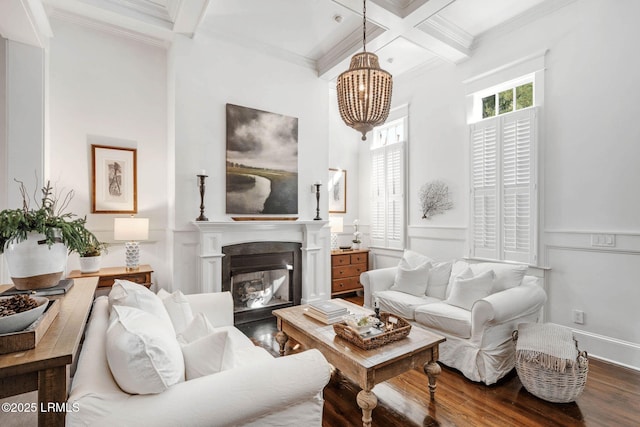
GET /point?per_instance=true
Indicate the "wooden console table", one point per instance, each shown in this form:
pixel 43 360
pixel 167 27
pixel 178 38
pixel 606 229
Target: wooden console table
pixel 46 368
pixel 107 276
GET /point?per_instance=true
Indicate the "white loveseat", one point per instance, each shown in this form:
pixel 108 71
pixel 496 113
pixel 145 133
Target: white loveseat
pixel 478 337
pixel 259 390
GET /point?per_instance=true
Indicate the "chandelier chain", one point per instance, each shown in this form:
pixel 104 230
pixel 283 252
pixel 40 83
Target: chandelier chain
pixel 364 25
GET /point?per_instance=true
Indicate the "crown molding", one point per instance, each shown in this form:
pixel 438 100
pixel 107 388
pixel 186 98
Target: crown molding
pixel 519 21
pixel 264 48
pixel 438 27
pixel 163 40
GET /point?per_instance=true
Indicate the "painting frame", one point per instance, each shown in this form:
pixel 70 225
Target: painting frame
pixel 114 179
pixel 337 190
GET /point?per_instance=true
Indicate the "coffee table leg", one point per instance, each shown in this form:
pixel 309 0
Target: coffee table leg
pixel 432 369
pixel 282 339
pixel 367 401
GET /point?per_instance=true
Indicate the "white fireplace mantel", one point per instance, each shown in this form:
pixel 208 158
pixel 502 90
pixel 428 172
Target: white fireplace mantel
pixel 312 235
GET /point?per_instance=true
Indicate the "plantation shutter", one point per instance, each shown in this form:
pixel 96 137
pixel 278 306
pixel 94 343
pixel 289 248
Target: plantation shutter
pixel 503 188
pixel 517 185
pixel 484 185
pixel 395 196
pixel 387 198
pixel 377 197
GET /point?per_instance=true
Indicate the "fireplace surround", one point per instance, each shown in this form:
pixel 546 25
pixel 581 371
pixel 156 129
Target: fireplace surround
pixel 262 277
pixel 313 237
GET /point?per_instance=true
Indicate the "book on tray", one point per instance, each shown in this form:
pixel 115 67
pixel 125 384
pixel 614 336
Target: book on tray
pixel 61 288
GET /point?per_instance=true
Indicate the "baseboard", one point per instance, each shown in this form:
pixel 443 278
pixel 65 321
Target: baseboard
pixel 618 352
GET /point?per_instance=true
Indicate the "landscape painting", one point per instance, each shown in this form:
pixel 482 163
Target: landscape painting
pixel 262 162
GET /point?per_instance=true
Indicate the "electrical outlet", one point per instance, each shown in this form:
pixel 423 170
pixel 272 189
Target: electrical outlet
pixel 603 240
pixel 578 316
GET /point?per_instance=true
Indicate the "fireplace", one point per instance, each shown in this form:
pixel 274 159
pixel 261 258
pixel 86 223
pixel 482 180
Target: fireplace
pixel 262 277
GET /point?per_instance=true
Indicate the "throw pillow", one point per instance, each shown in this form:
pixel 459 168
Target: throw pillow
pixel 197 328
pixel 439 279
pixel 456 269
pixel 411 280
pixel 466 291
pixel 204 355
pixel 414 259
pixel 179 310
pixel 507 275
pixel 130 294
pixel 144 357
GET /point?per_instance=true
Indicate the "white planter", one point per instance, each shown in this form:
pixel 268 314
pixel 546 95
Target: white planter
pixel 35 265
pixel 90 264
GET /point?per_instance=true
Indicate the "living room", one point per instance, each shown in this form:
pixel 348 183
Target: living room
pixel 75 74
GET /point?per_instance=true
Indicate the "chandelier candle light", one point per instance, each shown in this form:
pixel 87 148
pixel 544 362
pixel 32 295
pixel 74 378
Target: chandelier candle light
pixel 133 230
pixel 364 90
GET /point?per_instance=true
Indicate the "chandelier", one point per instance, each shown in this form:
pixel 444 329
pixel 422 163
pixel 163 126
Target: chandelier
pixel 364 90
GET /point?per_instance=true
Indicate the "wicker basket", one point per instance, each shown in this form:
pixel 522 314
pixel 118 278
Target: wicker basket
pixel 400 330
pixel 550 384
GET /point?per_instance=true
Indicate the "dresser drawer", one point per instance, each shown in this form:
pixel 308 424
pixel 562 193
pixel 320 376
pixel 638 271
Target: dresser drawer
pixel 346 284
pixel 359 258
pixel 348 271
pixel 142 278
pixel 337 260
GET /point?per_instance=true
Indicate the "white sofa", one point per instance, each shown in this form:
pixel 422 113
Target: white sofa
pixel 478 340
pixel 259 390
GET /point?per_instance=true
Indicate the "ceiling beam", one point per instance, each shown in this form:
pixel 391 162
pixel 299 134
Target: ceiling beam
pixel 25 21
pixel 420 26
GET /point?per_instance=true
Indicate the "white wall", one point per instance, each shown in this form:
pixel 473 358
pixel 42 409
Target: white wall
pixel 589 164
pixel 114 88
pixel 209 73
pixel 344 149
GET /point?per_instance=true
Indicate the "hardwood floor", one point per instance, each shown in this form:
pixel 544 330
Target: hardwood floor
pixel 611 397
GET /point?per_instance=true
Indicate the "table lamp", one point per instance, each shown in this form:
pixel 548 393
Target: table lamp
pixel 336 224
pixel 133 230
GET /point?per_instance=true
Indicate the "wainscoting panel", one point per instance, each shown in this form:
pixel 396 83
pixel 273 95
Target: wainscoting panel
pixel 596 273
pixel 440 243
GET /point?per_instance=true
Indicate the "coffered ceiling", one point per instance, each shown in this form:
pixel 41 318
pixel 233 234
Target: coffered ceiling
pixel 321 34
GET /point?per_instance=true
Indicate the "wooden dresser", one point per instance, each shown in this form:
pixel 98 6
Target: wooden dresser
pixel 346 267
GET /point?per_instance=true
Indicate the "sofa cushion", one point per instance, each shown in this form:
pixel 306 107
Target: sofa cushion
pixel 401 303
pixel 240 350
pixel 130 294
pixel 143 355
pixel 178 308
pixel 457 268
pixel 467 290
pixel 414 259
pixel 204 355
pixel 197 328
pixel 446 318
pixel 507 275
pixel 439 279
pixel 411 280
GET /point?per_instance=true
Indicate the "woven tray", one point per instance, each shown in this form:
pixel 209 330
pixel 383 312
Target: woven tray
pixel 400 330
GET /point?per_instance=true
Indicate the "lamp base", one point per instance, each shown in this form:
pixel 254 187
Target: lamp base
pixel 132 256
pixel 334 241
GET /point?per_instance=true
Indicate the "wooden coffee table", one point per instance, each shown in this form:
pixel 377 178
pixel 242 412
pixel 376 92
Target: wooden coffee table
pixel 364 367
pixel 46 367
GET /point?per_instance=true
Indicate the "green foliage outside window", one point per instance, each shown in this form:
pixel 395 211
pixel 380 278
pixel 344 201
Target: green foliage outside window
pixel 488 106
pixel 505 101
pixel 524 96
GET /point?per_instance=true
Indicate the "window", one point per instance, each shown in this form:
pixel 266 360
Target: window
pixel 504 188
pixel 523 95
pixel 387 185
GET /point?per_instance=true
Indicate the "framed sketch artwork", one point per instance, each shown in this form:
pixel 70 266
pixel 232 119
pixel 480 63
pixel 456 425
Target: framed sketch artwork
pixel 114 180
pixel 337 191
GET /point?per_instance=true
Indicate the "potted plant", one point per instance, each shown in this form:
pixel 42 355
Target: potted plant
pixel 36 240
pixel 356 235
pixel 91 255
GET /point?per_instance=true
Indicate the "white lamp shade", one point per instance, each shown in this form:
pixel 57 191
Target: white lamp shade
pixel 336 224
pixel 131 229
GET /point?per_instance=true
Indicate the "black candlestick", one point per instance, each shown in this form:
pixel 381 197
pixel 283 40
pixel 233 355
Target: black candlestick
pixel 201 184
pixel 317 218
